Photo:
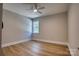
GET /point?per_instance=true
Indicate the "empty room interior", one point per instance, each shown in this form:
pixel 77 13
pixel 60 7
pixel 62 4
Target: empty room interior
pixel 40 29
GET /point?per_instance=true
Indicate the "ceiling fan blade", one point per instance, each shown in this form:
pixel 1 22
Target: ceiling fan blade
pixel 39 12
pixel 35 5
pixel 41 8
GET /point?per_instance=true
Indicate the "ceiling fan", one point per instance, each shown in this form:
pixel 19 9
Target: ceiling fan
pixel 36 8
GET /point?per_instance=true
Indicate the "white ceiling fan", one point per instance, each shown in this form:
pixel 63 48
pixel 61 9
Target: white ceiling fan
pixel 36 8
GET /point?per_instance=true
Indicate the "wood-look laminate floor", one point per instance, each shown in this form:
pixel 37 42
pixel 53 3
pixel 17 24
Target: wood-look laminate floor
pixel 36 48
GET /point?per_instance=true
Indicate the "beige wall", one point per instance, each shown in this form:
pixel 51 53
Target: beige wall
pixel 53 28
pixel 16 28
pixel 73 25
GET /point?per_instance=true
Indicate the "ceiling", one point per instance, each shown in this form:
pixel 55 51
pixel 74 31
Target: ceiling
pixel 50 8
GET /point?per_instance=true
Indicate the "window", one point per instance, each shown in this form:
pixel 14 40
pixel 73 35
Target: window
pixel 35 26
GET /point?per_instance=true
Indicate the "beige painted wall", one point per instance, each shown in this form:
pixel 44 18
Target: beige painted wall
pixel 53 28
pixel 16 27
pixel 73 25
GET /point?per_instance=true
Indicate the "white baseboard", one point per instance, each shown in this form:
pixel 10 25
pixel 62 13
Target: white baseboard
pixel 56 42
pixel 16 42
pixel 73 51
